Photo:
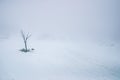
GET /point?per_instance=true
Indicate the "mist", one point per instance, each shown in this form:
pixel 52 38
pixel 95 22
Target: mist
pixel 79 19
pixel 73 39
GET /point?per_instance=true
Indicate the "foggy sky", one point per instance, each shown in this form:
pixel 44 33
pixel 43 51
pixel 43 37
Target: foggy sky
pixel 72 19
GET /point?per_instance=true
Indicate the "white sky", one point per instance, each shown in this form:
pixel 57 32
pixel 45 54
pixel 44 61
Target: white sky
pixel 75 19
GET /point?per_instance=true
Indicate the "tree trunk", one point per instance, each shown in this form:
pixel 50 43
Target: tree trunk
pixel 25 45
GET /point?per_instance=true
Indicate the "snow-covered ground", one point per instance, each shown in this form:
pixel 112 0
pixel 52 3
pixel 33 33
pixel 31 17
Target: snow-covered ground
pixel 58 60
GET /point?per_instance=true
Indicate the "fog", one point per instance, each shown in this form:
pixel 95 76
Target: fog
pixel 79 19
pixel 73 39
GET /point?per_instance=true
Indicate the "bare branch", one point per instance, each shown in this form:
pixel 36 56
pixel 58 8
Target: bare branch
pixel 23 35
pixel 28 36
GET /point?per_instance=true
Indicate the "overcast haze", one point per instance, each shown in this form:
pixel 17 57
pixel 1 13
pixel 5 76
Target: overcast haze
pixel 73 39
pixel 73 19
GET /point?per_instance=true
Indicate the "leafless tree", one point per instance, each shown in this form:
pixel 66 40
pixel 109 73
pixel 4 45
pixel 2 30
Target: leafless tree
pixel 25 39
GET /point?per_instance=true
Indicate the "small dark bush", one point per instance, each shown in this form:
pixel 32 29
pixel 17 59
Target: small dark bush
pixel 32 49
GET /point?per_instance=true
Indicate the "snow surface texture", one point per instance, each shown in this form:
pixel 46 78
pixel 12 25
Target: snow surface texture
pixel 58 60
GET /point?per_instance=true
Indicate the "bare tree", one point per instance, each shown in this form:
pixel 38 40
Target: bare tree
pixel 25 39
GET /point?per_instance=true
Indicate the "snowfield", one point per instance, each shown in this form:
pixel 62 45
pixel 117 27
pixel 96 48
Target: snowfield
pixel 58 60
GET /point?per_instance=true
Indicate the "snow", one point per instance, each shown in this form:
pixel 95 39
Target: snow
pixel 58 60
